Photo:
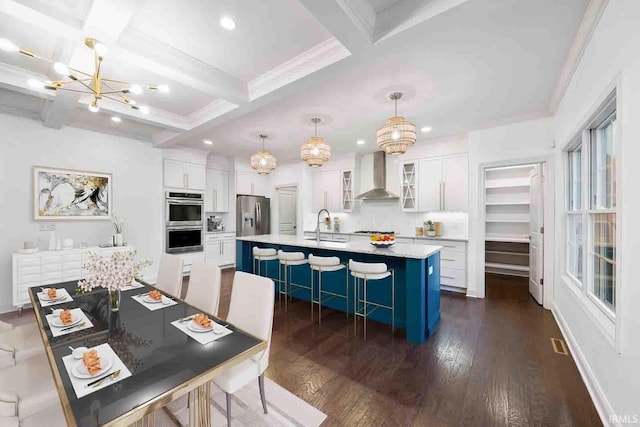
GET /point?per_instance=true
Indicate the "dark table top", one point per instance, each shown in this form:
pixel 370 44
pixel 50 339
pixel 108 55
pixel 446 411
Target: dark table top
pixel 165 362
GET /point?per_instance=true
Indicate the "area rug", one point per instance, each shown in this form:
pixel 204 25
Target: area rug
pixel 284 409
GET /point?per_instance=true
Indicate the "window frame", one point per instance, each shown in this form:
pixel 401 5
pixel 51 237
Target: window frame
pixel 607 113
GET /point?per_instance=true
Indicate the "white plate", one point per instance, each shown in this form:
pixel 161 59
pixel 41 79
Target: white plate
pixel 45 297
pixel 150 300
pixel 193 326
pixel 80 370
pixel 58 323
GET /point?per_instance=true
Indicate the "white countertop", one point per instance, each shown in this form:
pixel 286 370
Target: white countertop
pixel 399 250
pixel 405 236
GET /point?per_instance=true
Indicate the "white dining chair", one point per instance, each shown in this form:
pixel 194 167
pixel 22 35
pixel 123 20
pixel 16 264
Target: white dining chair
pixel 19 343
pixel 170 275
pixel 27 388
pixel 251 310
pixel 204 287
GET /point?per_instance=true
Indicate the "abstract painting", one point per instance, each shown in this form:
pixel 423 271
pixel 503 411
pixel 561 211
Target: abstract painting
pixel 62 194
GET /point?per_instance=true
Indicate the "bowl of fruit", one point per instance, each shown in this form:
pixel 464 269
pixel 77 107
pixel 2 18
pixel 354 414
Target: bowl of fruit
pixel 382 240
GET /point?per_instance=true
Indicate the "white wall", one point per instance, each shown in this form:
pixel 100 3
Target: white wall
pixel 137 188
pixel 509 144
pixel 612 59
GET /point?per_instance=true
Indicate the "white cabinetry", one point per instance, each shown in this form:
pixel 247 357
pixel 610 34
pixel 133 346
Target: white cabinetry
pixel 48 267
pixel 184 175
pixel 435 184
pixel 216 198
pixel 220 249
pixel 250 183
pixel 327 191
pixel 453 263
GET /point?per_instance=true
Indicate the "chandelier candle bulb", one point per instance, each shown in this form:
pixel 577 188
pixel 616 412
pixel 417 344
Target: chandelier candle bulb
pixel 135 89
pixel 61 69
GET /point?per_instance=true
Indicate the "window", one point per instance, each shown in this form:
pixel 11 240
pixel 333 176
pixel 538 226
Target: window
pixel 591 171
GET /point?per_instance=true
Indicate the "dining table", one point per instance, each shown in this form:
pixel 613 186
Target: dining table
pixel 164 362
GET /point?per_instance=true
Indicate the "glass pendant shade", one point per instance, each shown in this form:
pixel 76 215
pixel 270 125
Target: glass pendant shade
pixel 315 152
pixel 263 162
pixel 397 135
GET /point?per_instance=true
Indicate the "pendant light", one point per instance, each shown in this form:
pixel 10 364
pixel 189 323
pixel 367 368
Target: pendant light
pixel 315 151
pixel 397 135
pixel 263 161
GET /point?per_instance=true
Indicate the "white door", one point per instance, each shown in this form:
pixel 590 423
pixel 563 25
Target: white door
pixel 174 176
pixel 430 185
pixel 455 174
pixel 536 234
pixel 287 211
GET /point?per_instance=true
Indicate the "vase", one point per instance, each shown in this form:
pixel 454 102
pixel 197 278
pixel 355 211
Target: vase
pixel 114 299
pixel 119 240
pixel 431 233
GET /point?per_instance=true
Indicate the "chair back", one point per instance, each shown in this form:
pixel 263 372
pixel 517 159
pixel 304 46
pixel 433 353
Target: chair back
pixel 204 287
pixel 170 275
pixel 251 309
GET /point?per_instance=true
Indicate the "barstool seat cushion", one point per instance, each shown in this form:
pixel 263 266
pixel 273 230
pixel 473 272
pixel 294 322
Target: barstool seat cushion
pixel 323 268
pixel 290 256
pixel 367 267
pixel 264 252
pixel 323 260
pixel 371 276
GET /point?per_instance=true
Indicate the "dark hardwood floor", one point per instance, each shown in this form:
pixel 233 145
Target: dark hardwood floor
pixel 490 362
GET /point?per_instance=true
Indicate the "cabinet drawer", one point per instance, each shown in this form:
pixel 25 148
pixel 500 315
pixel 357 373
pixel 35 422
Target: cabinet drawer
pixel 214 238
pixel 227 236
pixel 450 245
pixel 449 259
pixel 29 261
pixel 453 277
pixel 29 279
pixel 404 240
pixel 341 237
pixel 72 258
pixel 46 268
pixel 28 270
pixel 51 259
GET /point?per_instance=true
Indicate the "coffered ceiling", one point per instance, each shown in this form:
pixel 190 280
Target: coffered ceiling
pixel 461 64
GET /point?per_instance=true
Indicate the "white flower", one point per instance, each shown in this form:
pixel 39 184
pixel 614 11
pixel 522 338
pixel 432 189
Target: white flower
pixel 112 273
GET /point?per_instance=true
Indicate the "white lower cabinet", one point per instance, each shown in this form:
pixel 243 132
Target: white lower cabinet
pixel 453 263
pixel 220 249
pixel 48 267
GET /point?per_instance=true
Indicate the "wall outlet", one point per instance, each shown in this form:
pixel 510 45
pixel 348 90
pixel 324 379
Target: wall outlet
pixel 47 227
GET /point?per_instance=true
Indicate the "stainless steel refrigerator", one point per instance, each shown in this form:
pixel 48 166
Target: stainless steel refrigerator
pixel 253 215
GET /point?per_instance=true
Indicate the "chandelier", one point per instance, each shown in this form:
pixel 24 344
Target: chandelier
pixel 92 83
pixel 263 161
pixel 397 135
pixel 315 151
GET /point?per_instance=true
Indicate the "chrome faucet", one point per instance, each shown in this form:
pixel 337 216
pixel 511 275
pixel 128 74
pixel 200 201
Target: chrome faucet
pixel 318 224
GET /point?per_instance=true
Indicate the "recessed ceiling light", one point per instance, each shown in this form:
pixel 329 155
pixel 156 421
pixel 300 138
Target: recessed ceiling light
pixel 360 142
pixel 36 84
pixel 144 109
pixel 8 46
pixel 163 88
pixel 426 129
pixel 227 23
pixel 207 141
pixel 116 119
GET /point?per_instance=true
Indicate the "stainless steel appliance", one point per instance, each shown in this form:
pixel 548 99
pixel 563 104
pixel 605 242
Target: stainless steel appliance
pixel 184 239
pixel 379 191
pixel 253 215
pixel 184 209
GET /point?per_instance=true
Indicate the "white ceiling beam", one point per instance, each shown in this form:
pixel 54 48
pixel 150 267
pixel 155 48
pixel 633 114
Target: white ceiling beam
pixel 58 110
pixel 350 21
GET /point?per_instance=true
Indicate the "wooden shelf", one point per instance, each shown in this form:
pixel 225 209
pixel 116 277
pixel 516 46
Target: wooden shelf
pixel 523 268
pixel 490 186
pixel 507 253
pixel 507 239
pixel 523 221
pixel 507 203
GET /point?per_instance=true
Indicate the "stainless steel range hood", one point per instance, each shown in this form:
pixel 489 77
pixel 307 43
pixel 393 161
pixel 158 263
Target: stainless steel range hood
pixel 379 191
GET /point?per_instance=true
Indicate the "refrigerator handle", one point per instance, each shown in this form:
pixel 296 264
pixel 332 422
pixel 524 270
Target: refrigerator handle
pixel 258 219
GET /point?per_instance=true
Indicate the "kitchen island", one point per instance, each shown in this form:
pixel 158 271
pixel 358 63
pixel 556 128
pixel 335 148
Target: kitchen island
pixel 416 267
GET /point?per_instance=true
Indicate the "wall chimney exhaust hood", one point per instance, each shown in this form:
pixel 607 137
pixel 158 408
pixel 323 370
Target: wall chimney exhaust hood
pixel 379 191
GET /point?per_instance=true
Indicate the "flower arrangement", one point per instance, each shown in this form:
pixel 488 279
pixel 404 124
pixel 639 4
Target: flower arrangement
pixel 112 273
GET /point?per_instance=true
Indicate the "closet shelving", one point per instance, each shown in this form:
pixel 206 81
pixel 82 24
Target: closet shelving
pixel 507 220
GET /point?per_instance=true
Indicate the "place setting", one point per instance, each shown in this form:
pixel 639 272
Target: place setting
pixel 201 328
pixel 154 300
pixel 91 369
pixel 64 322
pixel 53 296
pixel 133 285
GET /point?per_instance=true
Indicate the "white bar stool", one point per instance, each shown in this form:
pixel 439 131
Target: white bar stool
pixel 324 264
pixel 261 255
pixel 288 260
pixel 366 271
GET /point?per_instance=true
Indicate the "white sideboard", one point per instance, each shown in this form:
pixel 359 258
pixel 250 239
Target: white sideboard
pixel 47 267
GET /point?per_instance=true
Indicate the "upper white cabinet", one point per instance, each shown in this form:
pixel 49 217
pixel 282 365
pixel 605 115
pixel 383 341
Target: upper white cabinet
pixel 435 184
pixel 184 175
pixel 327 191
pixel 250 183
pixel 216 197
pixel 347 177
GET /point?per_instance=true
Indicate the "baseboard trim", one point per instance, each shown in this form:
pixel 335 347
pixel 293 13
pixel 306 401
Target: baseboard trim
pixel 604 408
pixel 474 293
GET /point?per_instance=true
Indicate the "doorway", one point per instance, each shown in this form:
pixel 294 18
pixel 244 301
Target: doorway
pixel 287 210
pixel 514 225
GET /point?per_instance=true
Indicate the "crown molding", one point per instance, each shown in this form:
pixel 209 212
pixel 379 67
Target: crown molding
pixel 587 27
pixel 361 14
pixel 211 111
pixel 314 59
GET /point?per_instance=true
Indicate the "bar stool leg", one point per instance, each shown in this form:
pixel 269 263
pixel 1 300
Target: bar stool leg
pixel 319 297
pixel 393 301
pixel 355 307
pixel 346 293
pixel 286 288
pixel 279 285
pixel 365 307
pixel 311 294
